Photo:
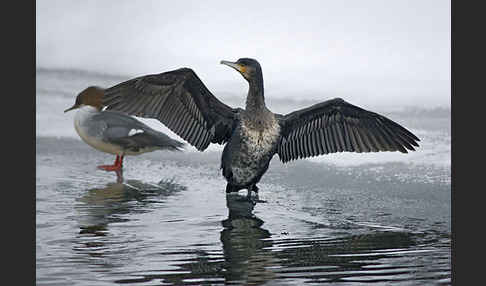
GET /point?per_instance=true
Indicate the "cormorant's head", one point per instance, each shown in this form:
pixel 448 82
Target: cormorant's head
pixel 249 68
pixel 89 96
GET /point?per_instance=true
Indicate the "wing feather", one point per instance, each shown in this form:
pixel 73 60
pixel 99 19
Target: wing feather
pixel 335 126
pixel 346 136
pixel 313 140
pixel 323 144
pixel 179 100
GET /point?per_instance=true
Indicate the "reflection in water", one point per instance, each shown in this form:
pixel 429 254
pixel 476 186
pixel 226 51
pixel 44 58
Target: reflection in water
pixel 245 259
pixel 250 256
pixel 119 176
pixel 342 259
pixel 102 206
pixel 245 244
pixel 112 204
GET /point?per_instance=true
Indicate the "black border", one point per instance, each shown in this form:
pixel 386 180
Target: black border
pixel 468 118
pixel 18 142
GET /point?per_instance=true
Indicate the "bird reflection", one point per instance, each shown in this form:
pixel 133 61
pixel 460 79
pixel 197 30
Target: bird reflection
pixel 247 257
pixel 245 249
pixel 100 207
pixel 119 176
pixel 251 256
pixel 245 243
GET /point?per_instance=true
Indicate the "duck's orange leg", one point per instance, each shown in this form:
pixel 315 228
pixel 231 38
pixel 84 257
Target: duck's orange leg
pixel 118 165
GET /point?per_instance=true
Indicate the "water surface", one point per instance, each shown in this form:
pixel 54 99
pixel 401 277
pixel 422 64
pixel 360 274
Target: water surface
pixel 344 219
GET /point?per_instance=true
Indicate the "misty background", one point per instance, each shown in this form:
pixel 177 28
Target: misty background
pixel 376 54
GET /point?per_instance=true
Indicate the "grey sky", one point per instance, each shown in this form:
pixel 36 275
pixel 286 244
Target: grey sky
pixel 392 52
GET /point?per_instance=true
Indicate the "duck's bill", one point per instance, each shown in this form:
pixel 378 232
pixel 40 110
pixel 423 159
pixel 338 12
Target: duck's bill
pixel 71 108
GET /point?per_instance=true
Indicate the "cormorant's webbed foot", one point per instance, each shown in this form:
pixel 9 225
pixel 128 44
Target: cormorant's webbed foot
pixel 254 199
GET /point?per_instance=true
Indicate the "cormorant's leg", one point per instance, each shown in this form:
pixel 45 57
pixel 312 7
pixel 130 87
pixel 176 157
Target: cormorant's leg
pixel 254 188
pixel 230 188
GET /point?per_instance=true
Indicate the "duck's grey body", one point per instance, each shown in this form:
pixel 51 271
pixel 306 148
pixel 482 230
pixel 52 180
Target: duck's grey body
pixel 115 132
pixel 119 134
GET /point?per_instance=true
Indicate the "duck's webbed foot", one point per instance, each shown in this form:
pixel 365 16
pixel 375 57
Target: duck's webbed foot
pixel 117 166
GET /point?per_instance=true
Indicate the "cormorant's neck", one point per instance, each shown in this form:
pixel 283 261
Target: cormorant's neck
pixel 255 101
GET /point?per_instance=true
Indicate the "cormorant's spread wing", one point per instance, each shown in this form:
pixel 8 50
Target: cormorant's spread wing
pixel 178 99
pixel 335 126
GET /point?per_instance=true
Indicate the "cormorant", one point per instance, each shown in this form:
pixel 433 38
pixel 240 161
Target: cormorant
pixel 181 101
pixel 115 132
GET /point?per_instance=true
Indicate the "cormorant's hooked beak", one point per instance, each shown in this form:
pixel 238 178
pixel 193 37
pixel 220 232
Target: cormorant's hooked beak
pixel 76 106
pixel 236 66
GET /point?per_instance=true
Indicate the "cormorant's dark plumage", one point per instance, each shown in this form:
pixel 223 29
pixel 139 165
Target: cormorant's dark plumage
pixel 253 135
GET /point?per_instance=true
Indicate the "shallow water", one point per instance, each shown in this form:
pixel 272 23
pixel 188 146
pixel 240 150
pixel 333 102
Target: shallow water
pixel 171 222
pixel 343 222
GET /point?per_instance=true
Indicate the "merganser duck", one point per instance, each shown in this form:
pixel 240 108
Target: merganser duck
pixel 181 101
pixel 115 132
